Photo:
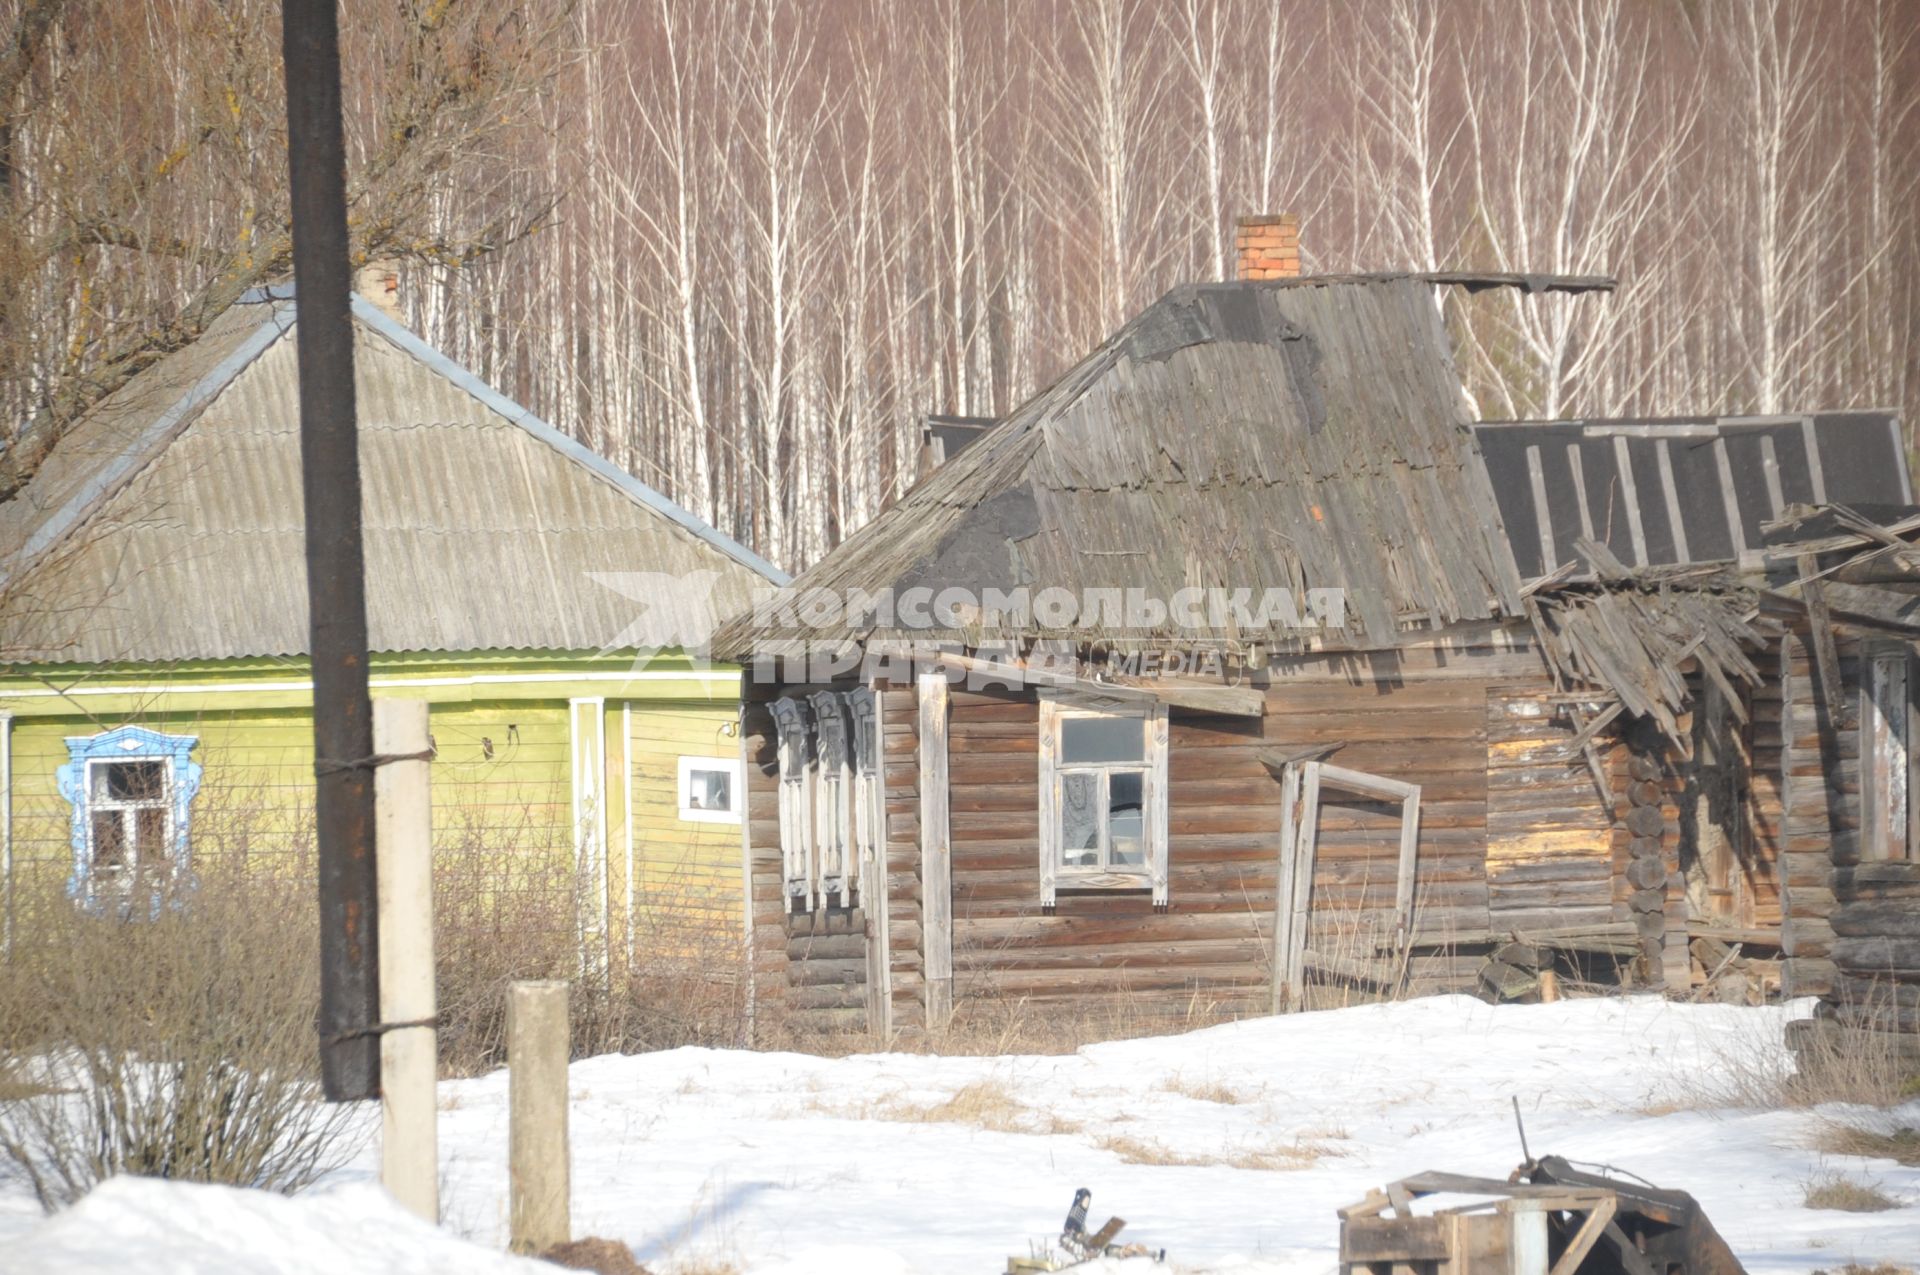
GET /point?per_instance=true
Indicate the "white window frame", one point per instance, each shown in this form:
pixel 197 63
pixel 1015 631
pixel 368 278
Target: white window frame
pixel 1055 875
pixel 1886 755
pixel 129 821
pixel 684 789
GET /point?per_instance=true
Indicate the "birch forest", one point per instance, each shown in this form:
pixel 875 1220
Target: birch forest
pixel 742 246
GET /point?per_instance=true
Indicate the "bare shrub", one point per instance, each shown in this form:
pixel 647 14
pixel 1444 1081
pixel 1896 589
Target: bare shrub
pixel 1847 1194
pixel 506 904
pixel 1859 1069
pixel 174 1041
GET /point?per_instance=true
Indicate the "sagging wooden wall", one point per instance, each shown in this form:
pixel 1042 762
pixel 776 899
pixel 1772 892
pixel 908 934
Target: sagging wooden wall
pixel 1515 834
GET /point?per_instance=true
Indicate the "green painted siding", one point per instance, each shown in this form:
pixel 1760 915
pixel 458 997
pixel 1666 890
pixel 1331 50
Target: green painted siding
pixel 685 872
pixel 502 779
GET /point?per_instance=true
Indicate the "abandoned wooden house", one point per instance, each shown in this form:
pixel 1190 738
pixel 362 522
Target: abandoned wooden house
pixel 1315 684
pixel 155 698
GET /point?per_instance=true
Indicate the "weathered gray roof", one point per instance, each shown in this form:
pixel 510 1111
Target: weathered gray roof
pixel 1295 434
pixel 1682 490
pixel 169 524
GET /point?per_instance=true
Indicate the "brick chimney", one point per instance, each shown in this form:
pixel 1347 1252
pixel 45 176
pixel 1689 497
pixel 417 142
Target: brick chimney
pixel 379 282
pixel 1268 246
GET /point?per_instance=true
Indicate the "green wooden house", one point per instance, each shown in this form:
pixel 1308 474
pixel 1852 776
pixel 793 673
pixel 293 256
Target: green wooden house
pixel 155 698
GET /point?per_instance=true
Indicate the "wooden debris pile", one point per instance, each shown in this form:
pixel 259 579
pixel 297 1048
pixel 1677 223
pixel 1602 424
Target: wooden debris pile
pixel 1638 633
pixel 1547 1219
pixel 1518 971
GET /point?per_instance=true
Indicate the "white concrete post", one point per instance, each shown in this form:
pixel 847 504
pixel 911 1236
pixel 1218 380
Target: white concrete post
pixel 403 839
pixel 538 1167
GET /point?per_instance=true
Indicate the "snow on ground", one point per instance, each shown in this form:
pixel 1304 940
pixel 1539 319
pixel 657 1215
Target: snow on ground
pixel 1231 1147
pixel 174 1228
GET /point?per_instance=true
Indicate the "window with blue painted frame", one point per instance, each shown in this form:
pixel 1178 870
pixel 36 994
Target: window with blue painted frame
pixel 132 793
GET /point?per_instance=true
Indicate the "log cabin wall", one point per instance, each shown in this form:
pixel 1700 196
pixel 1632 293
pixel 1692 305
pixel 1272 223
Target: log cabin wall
pixel 1420 716
pixel 1514 834
pixel 1853 919
pixel 1551 844
pixel 1820 763
pixel 1876 945
pixel 1766 794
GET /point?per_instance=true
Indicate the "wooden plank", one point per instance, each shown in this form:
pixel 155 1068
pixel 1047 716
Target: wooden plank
pixel 1671 489
pixel 1409 849
pixel 1587 1236
pixel 1543 514
pixel 1630 1256
pixel 1735 531
pixel 1630 497
pixel 1283 938
pixel 1306 842
pixel 1361 782
pixel 1393 1239
pixel 874 890
pixel 936 869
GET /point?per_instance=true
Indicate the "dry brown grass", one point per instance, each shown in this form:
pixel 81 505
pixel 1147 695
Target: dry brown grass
pixel 1302 1153
pixel 1901 1144
pixel 983 1104
pixel 1205 1091
pixel 1846 1194
pixel 1865 1070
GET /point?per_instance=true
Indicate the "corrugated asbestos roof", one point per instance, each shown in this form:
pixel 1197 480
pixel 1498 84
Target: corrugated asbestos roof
pixel 1678 491
pixel 1291 434
pixel 168 525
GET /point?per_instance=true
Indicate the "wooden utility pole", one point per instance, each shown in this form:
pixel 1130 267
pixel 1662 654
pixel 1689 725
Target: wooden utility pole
pixel 538 1161
pixel 409 1136
pixel 336 597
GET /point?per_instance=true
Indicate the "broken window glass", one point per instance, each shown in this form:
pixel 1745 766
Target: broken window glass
pixel 1080 819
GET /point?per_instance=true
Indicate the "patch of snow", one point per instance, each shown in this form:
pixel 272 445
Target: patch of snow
pixel 1230 1147
pixel 179 1228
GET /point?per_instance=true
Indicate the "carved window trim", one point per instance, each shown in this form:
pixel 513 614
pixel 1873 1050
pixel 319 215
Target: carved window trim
pixel 86 754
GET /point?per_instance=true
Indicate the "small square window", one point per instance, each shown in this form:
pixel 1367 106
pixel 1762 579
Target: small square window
pixel 1103 819
pixel 710 790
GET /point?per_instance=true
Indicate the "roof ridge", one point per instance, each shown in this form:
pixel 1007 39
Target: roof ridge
pixel 146 446
pixel 445 366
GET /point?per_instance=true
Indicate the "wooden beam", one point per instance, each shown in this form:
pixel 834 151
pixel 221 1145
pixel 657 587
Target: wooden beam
pixel 1826 657
pixel 1630 1256
pixel 1365 784
pixel 1236 701
pixel 1587 1236
pixel 1283 894
pixel 1409 854
pixel 936 860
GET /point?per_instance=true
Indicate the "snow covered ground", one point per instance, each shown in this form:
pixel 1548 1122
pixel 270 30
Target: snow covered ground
pixel 1231 1147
